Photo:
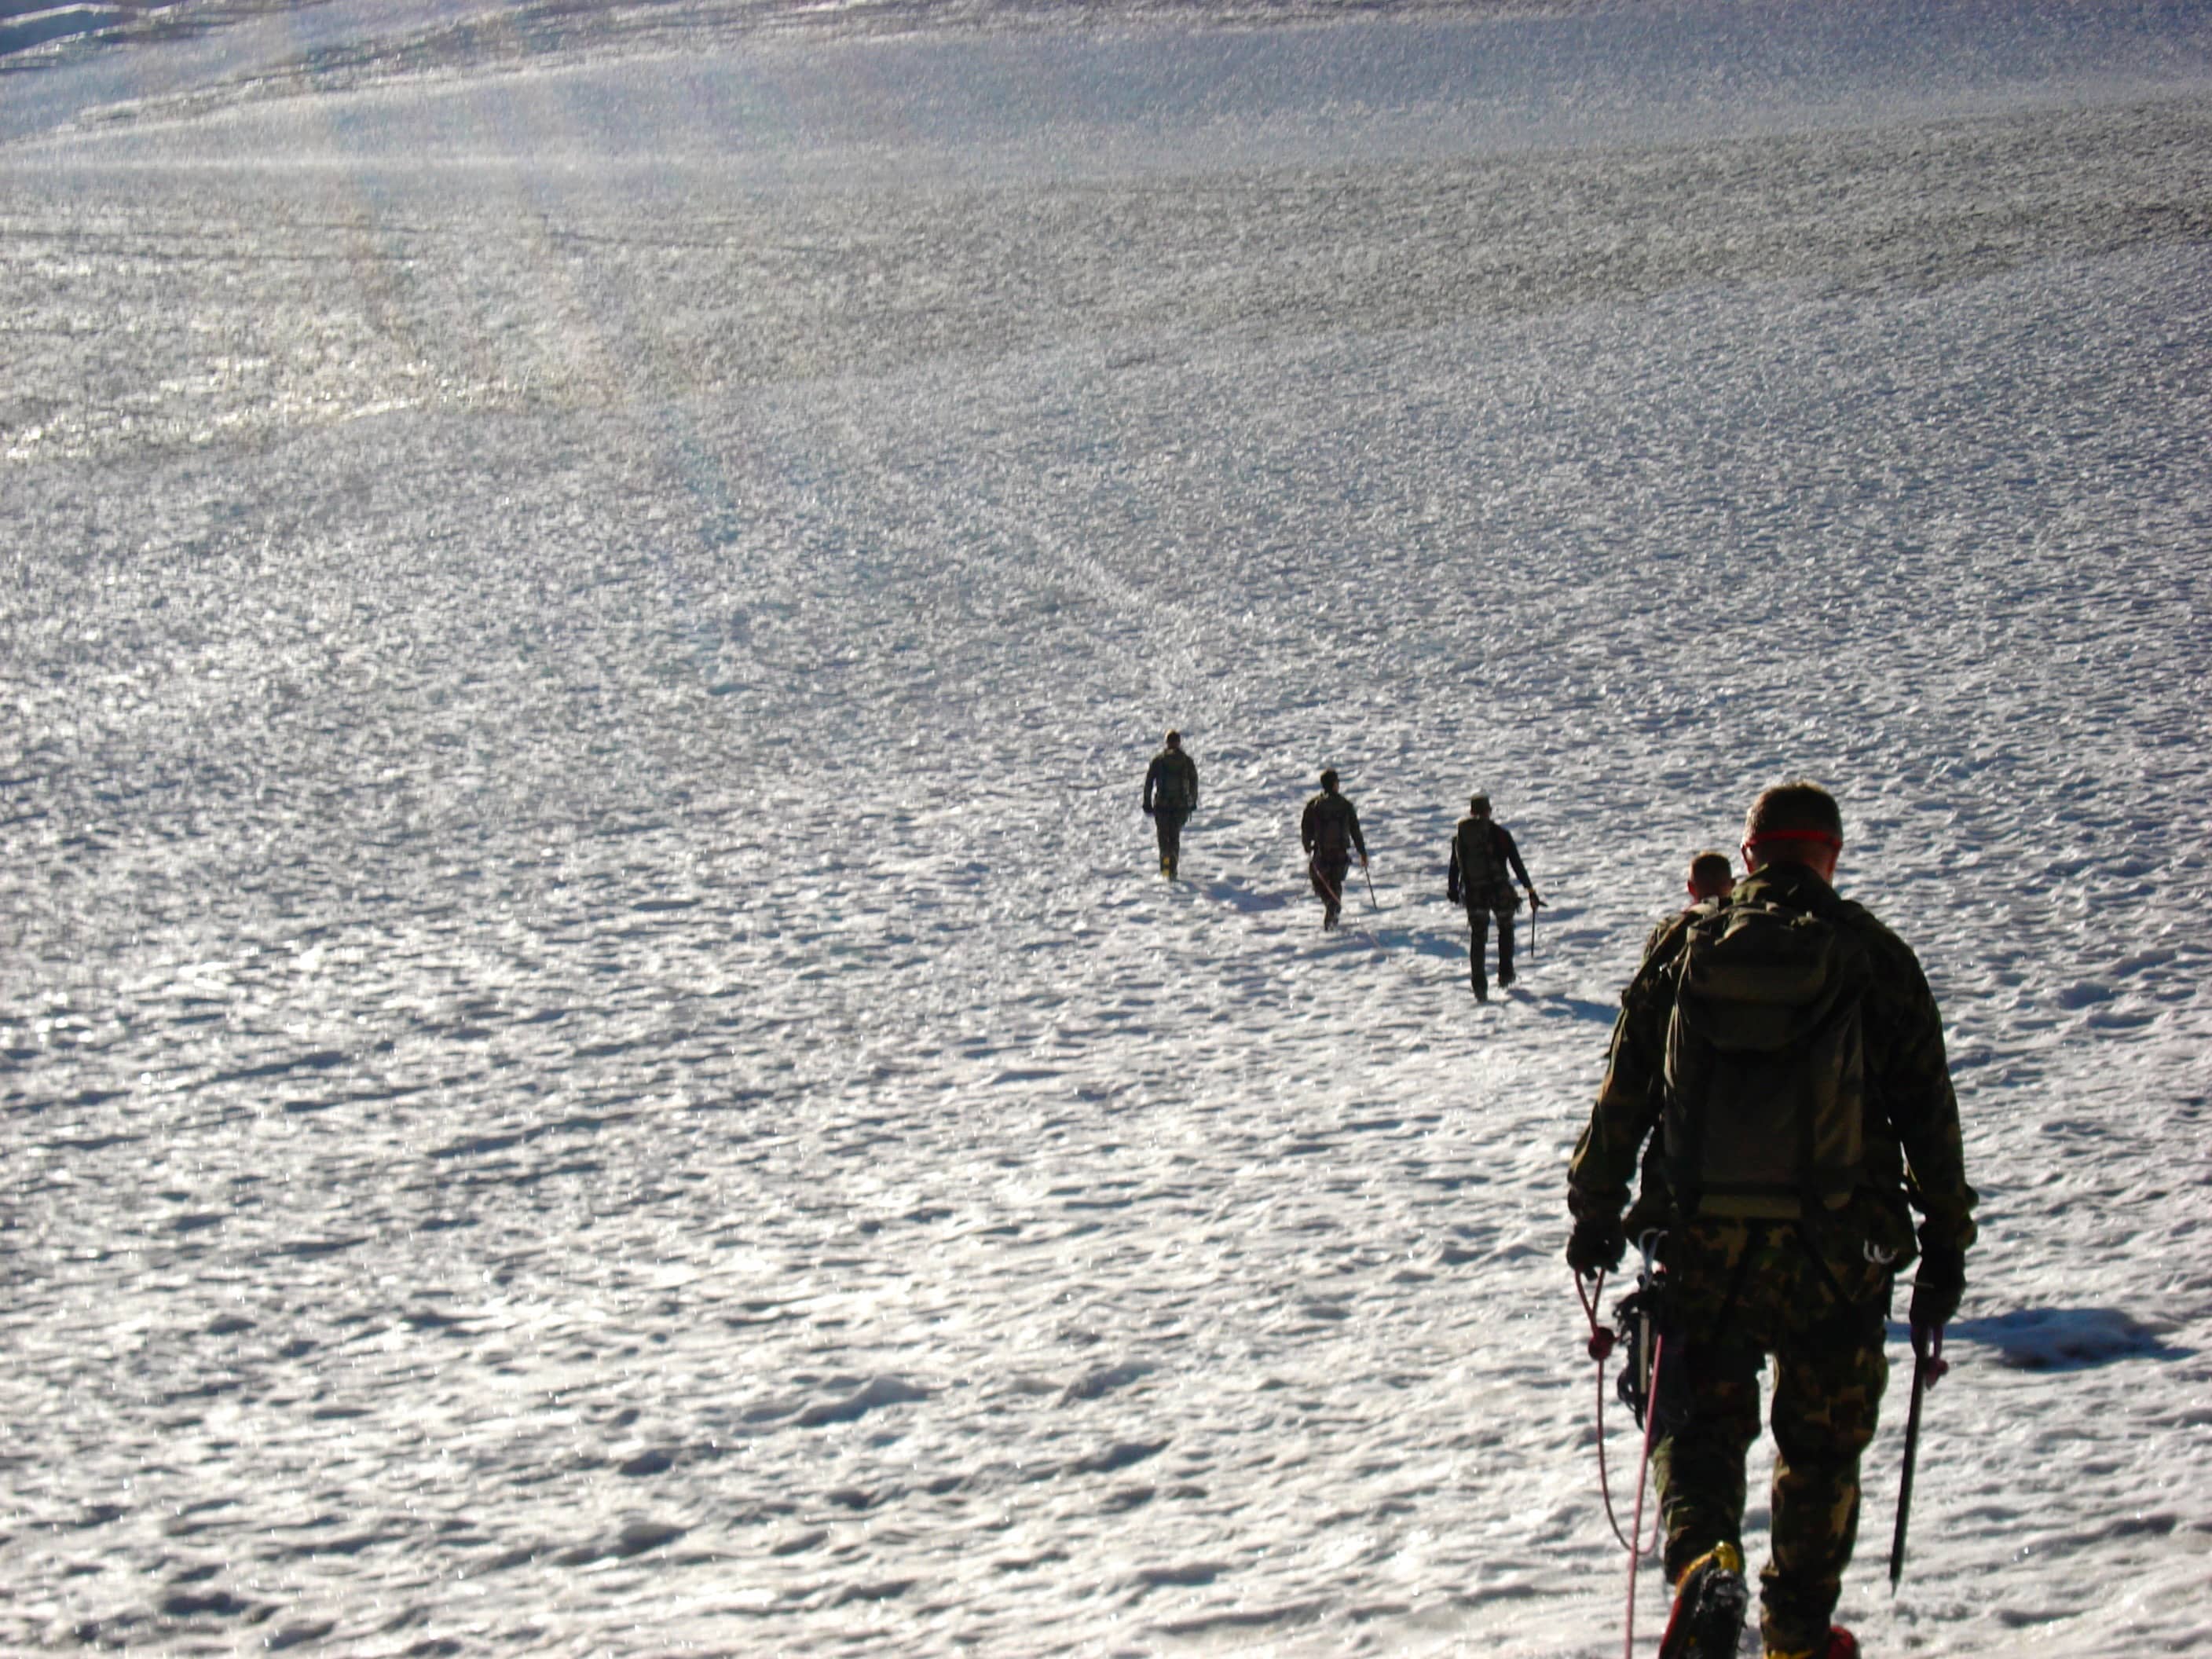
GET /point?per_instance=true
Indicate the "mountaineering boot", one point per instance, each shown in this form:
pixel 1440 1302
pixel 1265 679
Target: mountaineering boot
pixel 1328 919
pixel 1710 1599
pixel 1481 987
pixel 1506 972
pixel 1505 954
pixel 1842 1644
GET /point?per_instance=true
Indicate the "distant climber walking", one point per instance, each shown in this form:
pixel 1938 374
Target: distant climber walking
pixel 1330 830
pixel 1484 860
pixel 1170 797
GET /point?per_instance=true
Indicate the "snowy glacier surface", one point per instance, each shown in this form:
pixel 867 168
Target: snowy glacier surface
pixel 594 1059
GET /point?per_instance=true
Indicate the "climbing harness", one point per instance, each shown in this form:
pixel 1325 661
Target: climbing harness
pixel 1641 1316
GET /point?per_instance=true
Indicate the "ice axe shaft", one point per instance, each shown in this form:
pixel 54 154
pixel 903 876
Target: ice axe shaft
pixel 1927 1366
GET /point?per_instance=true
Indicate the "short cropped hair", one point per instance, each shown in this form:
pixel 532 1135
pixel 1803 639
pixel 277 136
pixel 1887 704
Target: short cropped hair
pixel 1711 872
pixel 1799 809
pixel 1175 740
pixel 1328 779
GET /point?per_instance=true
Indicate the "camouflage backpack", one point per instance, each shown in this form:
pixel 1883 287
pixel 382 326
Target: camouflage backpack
pixel 1480 866
pixel 1331 817
pixel 1171 788
pixel 1766 1065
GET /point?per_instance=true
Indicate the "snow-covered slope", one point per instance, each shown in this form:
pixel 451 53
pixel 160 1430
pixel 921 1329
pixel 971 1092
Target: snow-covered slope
pixel 594 1062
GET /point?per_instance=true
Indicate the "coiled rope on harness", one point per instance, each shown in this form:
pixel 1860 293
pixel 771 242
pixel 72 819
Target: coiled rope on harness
pixel 1602 1341
pixel 1651 1351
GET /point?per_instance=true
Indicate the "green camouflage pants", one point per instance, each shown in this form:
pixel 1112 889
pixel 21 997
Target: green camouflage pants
pixel 1740 1291
pixel 1167 824
pixel 1493 898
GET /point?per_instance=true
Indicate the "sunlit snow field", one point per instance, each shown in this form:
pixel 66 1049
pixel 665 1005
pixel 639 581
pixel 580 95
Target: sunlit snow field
pixel 595 1061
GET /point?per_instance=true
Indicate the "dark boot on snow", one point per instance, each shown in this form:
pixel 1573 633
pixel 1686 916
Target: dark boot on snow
pixel 1709 1599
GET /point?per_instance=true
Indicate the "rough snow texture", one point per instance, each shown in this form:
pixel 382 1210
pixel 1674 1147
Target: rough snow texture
pixel 594 1060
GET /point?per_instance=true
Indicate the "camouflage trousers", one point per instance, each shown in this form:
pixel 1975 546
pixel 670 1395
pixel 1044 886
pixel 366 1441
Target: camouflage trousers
pixel 1328 871
pixel 1167 824
pixel 1739 1292
pixel 1480 907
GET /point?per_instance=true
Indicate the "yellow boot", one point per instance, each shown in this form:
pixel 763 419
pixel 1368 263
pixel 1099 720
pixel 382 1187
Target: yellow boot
pixel 1710 1599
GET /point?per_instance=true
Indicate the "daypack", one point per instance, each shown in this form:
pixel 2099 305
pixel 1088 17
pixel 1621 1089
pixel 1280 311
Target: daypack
pixel 1766 1085
pixel 1171 785
pixel 1331 817
pixel 1482 866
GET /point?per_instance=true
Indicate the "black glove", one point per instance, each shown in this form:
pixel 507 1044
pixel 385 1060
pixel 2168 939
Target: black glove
pixel 1535 903
pixel 1937 1287
pixel 1148 811
pixel 1597 1244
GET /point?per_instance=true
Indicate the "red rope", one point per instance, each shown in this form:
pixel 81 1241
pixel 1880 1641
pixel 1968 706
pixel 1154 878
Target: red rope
pixel 1650 1423
pixel 1600 1349
pixel 1313 868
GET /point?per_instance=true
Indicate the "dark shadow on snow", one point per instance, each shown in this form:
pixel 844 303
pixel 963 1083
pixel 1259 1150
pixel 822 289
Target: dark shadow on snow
pixel 1405 939
pixel 1236 894
pixel 2061 1339
pixel 1567 1008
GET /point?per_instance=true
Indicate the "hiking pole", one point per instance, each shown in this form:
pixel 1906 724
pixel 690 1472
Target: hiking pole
pixel 1370 874
pixel 1927 1366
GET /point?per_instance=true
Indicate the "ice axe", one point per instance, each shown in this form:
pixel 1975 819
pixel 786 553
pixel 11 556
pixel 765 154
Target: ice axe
pixel 1928 1366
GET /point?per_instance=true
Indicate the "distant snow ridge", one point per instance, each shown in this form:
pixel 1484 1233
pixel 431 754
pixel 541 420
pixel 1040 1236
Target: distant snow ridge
pixel 22 26
pixel 511 37
pixel 28 23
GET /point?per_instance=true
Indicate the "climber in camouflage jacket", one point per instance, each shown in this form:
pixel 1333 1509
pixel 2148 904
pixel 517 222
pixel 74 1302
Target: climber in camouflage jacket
pixel 1170 797
pixel 1813 1292
pixel 1484 859
pixel 1914 1114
